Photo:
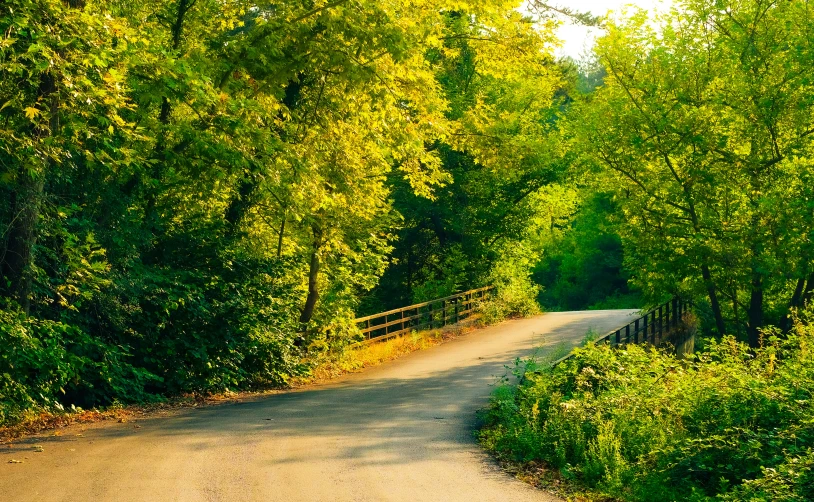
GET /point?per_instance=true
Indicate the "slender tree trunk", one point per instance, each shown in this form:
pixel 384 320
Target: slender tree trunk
pixel 162 153
pixel 706 275
pixel 808 296
pixel 795 302
pixel 713 300
pixel 797 297
pixel 313 279
pixel 239 206
pixel 313 289
pixel 755 312
pixel 280 237
pixel 735 312
pixel 19 256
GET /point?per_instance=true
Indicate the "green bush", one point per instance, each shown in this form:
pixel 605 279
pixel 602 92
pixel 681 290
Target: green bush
pixel 515 294
pixel 46 363
pixel 639 424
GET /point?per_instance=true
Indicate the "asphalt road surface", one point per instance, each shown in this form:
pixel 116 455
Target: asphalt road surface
pixel 399 432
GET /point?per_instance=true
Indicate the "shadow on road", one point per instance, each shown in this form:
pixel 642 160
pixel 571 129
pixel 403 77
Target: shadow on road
pixel 401 415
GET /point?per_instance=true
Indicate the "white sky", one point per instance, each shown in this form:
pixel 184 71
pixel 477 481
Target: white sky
pixel 578 40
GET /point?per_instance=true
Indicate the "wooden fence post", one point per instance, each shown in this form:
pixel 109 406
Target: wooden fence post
pixel 457 312
pixel 661 323
pixel 645 328
pixel 653 328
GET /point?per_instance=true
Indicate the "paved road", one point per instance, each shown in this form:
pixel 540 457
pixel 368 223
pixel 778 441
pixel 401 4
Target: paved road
pixel 399 432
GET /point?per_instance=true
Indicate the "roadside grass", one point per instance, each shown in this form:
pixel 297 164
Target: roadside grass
pixel 356 359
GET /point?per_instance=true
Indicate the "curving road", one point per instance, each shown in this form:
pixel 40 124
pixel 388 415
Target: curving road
pixel 399 432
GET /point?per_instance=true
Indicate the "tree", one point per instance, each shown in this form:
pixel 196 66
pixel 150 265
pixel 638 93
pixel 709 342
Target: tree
pixel 60 101
pixel 195 193
pixel 704 128
pixel 501 82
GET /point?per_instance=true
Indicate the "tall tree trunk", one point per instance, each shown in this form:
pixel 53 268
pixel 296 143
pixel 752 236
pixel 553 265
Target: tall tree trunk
pixel 313 289
pixel 713 300
pixel 162 152
pixel 808 296
pixel 795 302
pixel 706 275
pixel 282 233
pixel 239 206
pixel 755 312
pixel 23 233
pixel 18 265
pixel 313 278
pixel 735 312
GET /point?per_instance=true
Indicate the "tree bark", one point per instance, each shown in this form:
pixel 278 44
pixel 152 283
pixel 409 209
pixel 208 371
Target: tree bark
pixel 713 300
pixel 162 153
pixel 239 206
pixel 735 312
pixel 313 278
pixel 18 265
pixel 280 237
pixel 755 312
pixel 795 302
pixel 808 296
pixel 313 290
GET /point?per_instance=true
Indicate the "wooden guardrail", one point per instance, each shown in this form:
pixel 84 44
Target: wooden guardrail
pixel 427 315
pixel 650 328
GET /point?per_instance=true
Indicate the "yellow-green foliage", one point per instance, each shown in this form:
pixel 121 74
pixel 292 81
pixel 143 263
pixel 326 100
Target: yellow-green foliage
pixel 515 294
pixel 703 131
pixel 194 194
pixel 638 424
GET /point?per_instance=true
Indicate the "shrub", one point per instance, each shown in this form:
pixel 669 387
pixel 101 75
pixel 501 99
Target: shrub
pixel 515 294
pixel 638 424
pixel 44 364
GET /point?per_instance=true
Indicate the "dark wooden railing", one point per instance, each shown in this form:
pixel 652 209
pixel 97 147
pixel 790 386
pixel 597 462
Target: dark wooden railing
pixel 427 315
pixel 650 328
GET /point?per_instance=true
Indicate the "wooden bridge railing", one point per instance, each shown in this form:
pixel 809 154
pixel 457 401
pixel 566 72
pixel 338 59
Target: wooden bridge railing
pixel 427 315
pixel 650 328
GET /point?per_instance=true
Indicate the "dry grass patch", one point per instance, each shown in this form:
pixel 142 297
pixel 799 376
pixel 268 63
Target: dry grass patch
pixel 355 359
